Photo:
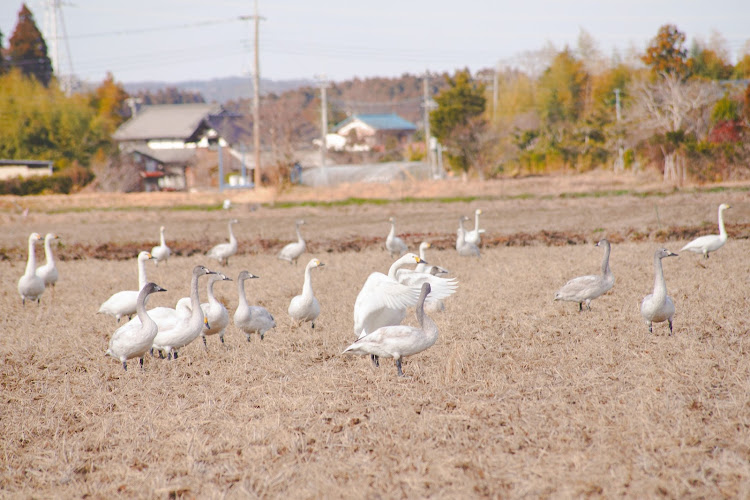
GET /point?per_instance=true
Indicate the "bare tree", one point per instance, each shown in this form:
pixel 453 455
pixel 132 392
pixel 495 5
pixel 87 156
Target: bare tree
pixel 674 108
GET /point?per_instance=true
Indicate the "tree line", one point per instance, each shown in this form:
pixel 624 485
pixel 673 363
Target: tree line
pixel 684 111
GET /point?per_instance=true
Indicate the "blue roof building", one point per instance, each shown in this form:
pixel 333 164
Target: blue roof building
pixel 372 130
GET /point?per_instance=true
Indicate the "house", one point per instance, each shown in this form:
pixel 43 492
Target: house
pixel 374 131
pixel 10 169
pixel 176 146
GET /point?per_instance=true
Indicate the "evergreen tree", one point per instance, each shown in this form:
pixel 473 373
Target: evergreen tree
pixel 3 65
pixel 28 50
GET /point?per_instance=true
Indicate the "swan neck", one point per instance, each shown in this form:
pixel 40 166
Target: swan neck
pixel 140 307
pixel 161 232
pixel 722 230
pixel 392 233
pixel 476 221
pixel 605 260
pixel 141 274
pixel 660 286
pixel 241 293
pixel 48 251
pixel 31 262
pixel 421 253
pixel 232 239
pixel 195 302
pixel 425 322
pixel 210 291
pixel 398 265
pixel 299 235
pixel 307 290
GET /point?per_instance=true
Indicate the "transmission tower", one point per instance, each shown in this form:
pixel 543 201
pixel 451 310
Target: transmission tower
pixel 57 41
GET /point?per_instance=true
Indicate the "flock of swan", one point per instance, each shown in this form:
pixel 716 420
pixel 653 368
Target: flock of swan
pixel 379 309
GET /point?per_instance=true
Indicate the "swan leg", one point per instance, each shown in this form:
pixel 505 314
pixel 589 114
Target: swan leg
pixel 398 365
pixel 175 355
pixel 221 337
pixel 588 304
pixel 247 335
pixel 125 365
pixel 312 324
pixel 650 329
pixel 580 306
pixel 375 360
pixel 23 301
pixel 670 327
pixel 262 335
pixel 161 354
pixel 141 362
pixel 205 345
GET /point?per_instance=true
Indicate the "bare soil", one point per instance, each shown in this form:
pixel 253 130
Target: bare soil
pixel 520 396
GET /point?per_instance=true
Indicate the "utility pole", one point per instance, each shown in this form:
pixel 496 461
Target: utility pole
pixel 256 94
pixel 617 104
pixel 494 94
pixel 620 161
pixel 55 34
pixel 323 84
pixel 428 105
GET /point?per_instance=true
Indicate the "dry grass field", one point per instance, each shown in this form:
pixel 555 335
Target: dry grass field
pixel 520 396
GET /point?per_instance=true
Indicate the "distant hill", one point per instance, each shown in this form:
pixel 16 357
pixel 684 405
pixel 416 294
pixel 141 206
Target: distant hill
pixel 221 90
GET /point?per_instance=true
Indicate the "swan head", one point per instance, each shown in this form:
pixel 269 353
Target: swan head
pixel 424 245
pixel 245 275
pixel 144 256
pixel 219 277
pixel 300 222
pixel 205 323
pixel 233 221
pixel 315 263
pixel 391 220
pixel 51 236
pixel 463 218
pixel 162 229
pixel 153 288
pixel 724 206
pixel 663 252
pixel 34 237
pixel 413 257
pixel 426 288
pixel 478 211
pixel 201 270
pixel 604 242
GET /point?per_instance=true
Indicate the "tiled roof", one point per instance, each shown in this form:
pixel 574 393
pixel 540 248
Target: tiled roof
pixel 380 122
pixel 166 121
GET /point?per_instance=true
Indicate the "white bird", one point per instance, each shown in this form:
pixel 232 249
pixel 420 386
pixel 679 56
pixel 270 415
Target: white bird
pixel 188 328
pixel 393 243
pixel 587 288
pixel 251 319
pixel 124 303
pixel 223 251
pixel 474 236
pixel 133 340
pixel 162 251
pixel 292 251
pixel 465 248
pixel 422 267
pixel 710 242
pixel 399 341
pixel 658 306
pixel 48 272
pixel 305 307
pixel 31 286
pixel 409 277
pixel 227 204
pixel 215 312
pixel 383 300
pixel 167 317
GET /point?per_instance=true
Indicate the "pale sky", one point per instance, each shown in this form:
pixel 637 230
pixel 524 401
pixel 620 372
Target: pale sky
pixel 177 40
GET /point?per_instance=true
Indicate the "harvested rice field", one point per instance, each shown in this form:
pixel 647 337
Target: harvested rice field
pixel 520 396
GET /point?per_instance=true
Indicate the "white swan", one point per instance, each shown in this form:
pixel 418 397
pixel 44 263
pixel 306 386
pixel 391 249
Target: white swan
pixel 383 300
pixel 422 267
pixel 251 319
pixel 188 328
pixel 215 312
pixel 587 288
pixel 292 251
pixel 658 306
pixel 123 303
pixel 31 286
pixel 399 341
pixel 305 307
pixel 48 272
pixel 710 242
pixel 223 251
pixel 167 317
pixel 393 243
pixel 162 251
pixel 465 248
pixel 474 236
pixel 133 340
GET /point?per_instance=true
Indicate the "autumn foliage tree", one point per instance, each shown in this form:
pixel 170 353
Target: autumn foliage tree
pixel 28 50
pixel 667 53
